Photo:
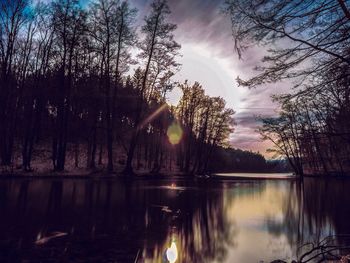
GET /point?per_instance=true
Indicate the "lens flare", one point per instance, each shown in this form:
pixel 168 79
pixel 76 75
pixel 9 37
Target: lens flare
pixel 174 133
pixel 154 115
pixel 171 253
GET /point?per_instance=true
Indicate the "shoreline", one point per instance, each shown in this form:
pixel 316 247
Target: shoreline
pixel 101 174
pixel 148 176
pixel 144 175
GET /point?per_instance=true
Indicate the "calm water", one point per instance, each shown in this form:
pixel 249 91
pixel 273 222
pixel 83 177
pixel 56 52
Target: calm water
pixel 86 220
pixel 258 175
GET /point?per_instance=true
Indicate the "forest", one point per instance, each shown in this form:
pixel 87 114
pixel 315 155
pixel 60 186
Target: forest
pixel 72 94
pixel 308 47
pixel 82 85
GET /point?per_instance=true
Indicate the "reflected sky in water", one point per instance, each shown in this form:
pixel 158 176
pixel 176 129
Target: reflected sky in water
pixel 166 221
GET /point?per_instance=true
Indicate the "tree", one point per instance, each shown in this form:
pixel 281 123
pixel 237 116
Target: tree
pixel 316 33
pixel 37 54
pixel 12 17
pixel 207 124
pixel 69 27
pixel 280 131
pixel 112 33
pixel 158 43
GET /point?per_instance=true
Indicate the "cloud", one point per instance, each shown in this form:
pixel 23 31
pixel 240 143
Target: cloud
pixel 257 103
pixel 197 20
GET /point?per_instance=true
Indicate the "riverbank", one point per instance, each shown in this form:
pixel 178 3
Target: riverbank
pixel 91 174
pixel 148 176
pixel 256 176
pixel 101 172
pixel 74 172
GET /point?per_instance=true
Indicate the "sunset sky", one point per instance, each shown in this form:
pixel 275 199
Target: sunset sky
pixel 208 57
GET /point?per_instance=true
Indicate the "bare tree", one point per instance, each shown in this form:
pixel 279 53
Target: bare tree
pixel 69 27
pixel 316 33
pixel 158 40
pixel 12 18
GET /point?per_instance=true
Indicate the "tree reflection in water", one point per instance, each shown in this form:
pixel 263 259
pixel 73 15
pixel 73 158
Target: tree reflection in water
pixel 117 221
pixel 195 219
pixel 316 210
pixel 111 220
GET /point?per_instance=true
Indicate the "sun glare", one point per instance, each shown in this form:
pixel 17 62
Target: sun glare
pixel 174 133
pixel 171 252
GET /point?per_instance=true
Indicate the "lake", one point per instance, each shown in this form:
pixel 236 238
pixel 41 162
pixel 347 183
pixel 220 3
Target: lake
pixel 167 220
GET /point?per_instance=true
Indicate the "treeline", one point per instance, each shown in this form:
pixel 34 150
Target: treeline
pixel 235 160
pixel 309 46
pixel 67 94
pixel 228 160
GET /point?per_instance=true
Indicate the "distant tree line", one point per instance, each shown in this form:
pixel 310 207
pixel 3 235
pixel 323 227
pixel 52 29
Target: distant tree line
pixel 67 93
pixel 228 160
pixel 309 46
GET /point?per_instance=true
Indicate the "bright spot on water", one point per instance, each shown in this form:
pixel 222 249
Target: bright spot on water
pixel 171 252
pixel 174 133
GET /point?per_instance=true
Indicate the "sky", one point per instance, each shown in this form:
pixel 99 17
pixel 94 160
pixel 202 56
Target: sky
pixel 208 57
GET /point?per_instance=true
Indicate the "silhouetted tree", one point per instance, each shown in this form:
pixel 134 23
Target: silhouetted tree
pixel 158 50
pixel 69 28
pixel 13 16
pixel 112 33
pixel 206 123
pixel 316 34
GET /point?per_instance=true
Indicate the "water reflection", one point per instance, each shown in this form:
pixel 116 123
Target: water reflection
pixel 163 221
